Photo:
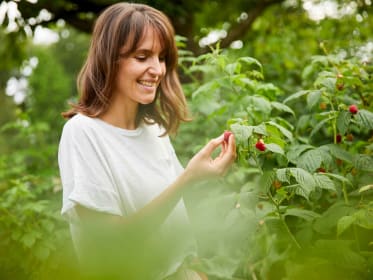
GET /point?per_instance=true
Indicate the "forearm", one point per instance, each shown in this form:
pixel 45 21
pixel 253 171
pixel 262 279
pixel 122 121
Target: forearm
pixel 145 220
pixel 154 213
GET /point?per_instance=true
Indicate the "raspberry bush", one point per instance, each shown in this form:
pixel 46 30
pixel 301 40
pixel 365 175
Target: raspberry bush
pixel 298 204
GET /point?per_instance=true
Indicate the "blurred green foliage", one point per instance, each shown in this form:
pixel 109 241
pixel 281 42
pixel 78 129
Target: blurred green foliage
pixel 301 209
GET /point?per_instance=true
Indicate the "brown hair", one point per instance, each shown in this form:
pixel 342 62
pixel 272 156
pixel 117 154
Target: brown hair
pixel 123 24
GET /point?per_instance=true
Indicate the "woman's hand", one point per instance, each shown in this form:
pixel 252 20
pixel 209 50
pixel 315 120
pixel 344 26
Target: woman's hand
pixel 203 166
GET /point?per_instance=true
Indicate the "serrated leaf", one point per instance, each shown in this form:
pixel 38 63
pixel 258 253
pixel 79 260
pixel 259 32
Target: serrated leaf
pixel 260 129
pixel 363 162
pixel 305 180
pixel 282 129
pixel 283 175
pixel 310 160
pixel 241 132
pixel 296 150
pixel 260 104
pixel 324 182
pixel 320 125
pixel 250 61
pixel 301 213
pixel 296 95
pixel 327 223
pixel 219 266
pixel 340 153
pixel 364 218
pixel 339 178
pixel 313 98
pixel 344 223
pixel 207 87
pixel 266 180
pixel 282 107
pixel 274 148
pixel 343 120
pixel 365 118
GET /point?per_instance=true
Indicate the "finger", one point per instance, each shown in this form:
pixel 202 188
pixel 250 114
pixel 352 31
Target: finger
pixel 212 145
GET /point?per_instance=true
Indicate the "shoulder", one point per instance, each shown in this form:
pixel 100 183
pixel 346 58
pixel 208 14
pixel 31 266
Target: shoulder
pixel 79 126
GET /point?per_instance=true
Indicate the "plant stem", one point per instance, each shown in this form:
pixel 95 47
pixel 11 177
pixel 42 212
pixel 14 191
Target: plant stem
pixel 292 237
pixel 345 195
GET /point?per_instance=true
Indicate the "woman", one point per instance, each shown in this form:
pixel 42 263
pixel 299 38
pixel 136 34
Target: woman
pixel 116 161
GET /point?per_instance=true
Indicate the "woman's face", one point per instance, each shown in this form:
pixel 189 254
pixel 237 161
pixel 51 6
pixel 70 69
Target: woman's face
pixel 140 72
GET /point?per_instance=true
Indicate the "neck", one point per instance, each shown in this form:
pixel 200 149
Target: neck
pixel 123 115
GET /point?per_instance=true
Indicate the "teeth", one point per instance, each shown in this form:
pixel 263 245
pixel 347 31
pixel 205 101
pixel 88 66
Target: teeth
pixel 148 84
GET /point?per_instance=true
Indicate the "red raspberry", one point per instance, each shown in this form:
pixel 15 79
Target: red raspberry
pixel 260 145
pixel 339 138
pixel 321 169
pixel 353 109
pixel 227 133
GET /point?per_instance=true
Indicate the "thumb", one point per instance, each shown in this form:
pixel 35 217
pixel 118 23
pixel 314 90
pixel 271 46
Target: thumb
pixel 212 145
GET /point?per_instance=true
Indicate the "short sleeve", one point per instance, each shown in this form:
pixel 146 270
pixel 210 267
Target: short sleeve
pixel 85 173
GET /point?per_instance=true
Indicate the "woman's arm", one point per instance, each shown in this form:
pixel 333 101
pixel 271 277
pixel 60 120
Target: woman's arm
pixel 202 166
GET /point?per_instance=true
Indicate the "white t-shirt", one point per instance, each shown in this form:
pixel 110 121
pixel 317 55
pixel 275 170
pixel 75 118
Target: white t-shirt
pixel 116 171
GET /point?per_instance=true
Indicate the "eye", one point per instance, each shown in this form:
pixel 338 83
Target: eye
pixel 162 57
pixel 141 57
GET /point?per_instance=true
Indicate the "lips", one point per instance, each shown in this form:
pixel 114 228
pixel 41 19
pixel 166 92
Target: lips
pixel 148 83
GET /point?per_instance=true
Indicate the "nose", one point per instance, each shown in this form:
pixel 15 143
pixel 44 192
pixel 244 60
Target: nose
pixel 157 67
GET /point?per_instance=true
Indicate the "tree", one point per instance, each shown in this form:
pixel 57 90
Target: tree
pixel 187 16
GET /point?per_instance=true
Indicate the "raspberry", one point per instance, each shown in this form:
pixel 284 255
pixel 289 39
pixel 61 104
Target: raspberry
pixel 339 138
pixel 353 109
pixel 227 133
pixel 260 145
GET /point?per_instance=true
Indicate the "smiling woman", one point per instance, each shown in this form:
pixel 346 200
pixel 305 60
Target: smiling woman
pixel 117 163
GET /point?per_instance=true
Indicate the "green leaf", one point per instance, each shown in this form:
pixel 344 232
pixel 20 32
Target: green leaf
pixel 320 125
pixel 339 178
pixel 365 118
pixel 324 182
pixel 207 87
pixel 340 153
pixel 305 180
pixel 364 217
pixel 313 98
pixel 366 188
pixel 327 223
pixel 241 132
pixel 283 175
pixel 296 150
pixel 364 162
pixel 296 95
pixel 344 223
pixel 311 160
pixel 282 107
pixel 260 129
pixel 301 213
pixel 275 148
pixel 266 180
pixel 219 266
pixel 260 104
pixel 282 129
pixel 343 120
pixel 251 61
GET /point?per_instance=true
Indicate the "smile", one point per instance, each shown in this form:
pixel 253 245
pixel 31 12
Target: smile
pixel 147 83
